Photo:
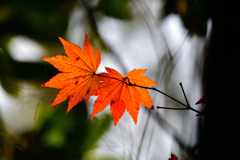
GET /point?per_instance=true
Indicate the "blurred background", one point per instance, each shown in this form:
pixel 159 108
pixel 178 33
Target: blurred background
pixel 166 37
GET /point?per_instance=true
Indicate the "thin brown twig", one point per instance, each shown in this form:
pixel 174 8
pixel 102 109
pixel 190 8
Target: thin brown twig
pixel 184 94
pixel 155 89
pixel 189 107
pixel 172 108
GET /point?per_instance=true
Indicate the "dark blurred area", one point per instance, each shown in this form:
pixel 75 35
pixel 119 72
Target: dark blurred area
pixel 62 136
pixel 194 14
pixel 40 20
pixel 219 137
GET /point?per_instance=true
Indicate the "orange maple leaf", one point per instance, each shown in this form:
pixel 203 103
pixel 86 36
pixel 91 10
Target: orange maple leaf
pixel 78 78
pixel 122 93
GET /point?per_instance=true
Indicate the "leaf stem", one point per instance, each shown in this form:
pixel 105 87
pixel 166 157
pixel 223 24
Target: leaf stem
pixel 172 108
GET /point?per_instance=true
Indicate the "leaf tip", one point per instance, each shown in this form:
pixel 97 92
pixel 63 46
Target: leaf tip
pixel 86 37
pixel 202 100
pixel 45 59
pixel 152 108
pixel 61 39
pixel 203 112
pixel 115 121
pixel 68 110
pixel 92 116
pixel 135 120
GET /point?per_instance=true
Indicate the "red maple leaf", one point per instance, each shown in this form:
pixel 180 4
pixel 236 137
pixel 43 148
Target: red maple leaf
pixel 173 157
pixel 121 94
pixel 78 78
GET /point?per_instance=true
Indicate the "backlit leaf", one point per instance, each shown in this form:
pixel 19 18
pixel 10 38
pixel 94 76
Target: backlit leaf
pixel 78 79
pixel 116 91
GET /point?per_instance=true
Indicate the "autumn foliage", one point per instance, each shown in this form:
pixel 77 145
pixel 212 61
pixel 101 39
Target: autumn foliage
pixel 118 92
pixel 79 79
